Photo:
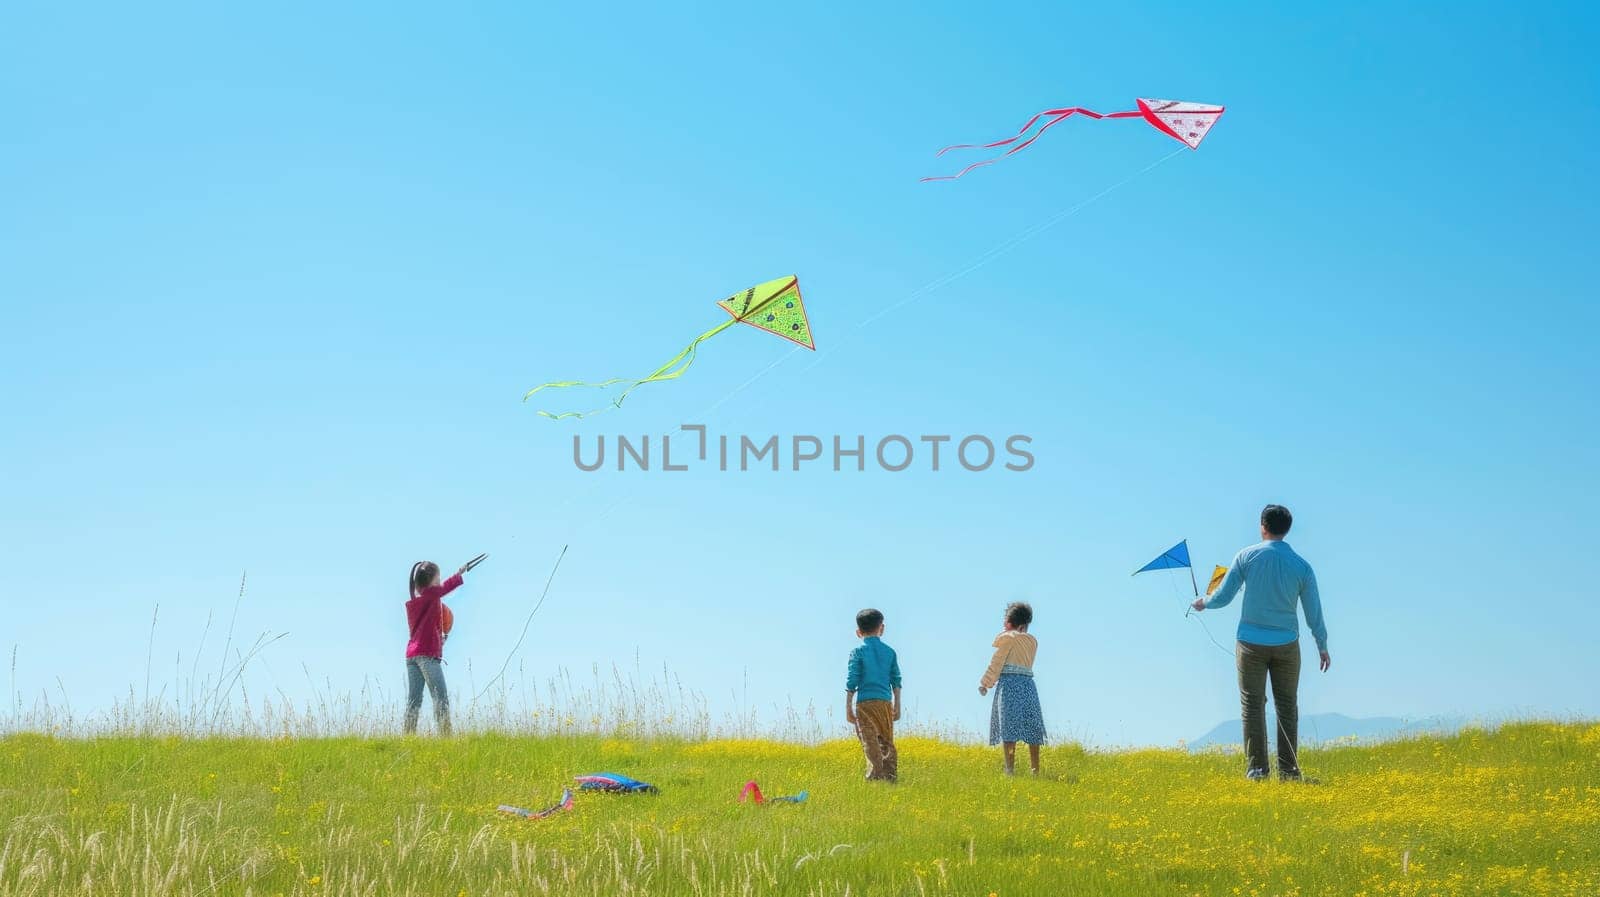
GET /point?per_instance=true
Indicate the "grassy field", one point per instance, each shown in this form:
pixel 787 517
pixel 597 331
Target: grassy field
pixel 1515 811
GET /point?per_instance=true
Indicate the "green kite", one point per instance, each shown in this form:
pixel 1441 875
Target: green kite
pixel 773 306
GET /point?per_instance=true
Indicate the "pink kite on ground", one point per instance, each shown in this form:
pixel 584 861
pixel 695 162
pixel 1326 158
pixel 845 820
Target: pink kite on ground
pixel 1188 123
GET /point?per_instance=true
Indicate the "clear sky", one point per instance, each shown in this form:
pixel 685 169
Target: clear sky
pixel 273 282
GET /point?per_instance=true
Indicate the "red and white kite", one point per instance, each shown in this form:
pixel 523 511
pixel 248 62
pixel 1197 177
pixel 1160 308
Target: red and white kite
pixel 1188 123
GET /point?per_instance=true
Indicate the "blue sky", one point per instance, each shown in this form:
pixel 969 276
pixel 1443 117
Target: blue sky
pixel 275 281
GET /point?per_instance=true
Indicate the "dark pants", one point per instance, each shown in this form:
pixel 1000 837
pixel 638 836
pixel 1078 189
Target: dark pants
pixel 1282 663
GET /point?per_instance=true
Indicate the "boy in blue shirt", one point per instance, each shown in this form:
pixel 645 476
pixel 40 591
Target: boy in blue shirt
pixel 872 696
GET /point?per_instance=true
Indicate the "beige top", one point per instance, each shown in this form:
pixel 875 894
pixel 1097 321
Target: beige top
pixel 1013 647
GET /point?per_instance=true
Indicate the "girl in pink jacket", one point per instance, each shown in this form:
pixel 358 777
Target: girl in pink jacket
pixel 425 651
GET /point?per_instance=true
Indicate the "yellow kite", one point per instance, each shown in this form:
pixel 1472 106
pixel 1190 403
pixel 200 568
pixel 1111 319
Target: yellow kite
pixel 1216 579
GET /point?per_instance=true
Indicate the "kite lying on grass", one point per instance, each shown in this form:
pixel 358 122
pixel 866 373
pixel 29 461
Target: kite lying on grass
pixel 610 781
pixel 773 306
pixel 1188 123
pixel 753 792
pixel 564 804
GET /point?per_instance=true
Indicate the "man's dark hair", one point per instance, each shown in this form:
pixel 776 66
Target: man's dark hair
pixel 1019 613
pixel 1277 519
pixel 869 620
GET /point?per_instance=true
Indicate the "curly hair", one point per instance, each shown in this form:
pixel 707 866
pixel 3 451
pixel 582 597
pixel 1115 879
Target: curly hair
pixel 1019 614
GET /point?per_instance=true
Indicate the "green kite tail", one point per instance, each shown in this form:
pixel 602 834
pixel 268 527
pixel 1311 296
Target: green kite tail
pixel 672 370
pixel 774 306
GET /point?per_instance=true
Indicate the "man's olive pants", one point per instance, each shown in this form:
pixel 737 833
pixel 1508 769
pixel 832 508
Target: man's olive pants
pixel 1282 663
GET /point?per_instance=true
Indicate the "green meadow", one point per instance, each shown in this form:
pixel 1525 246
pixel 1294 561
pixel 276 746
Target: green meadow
pixel 1510 811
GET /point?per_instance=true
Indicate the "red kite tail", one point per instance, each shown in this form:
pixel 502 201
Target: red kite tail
pixel 1056 117
pixel 1025 128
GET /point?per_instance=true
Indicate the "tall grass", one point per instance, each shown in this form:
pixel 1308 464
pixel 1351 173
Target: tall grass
pixel 1516 811
pixel 198 787
pixel 608 702
pixel 219 703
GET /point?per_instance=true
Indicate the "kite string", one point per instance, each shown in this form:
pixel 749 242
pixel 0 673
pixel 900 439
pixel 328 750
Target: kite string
pixel 575 528
pixel 1207 629
pixel 931 286
pixel 999 250
pixel 1189 613
pixel 573 531
pixel 1294 747
pixel 526 623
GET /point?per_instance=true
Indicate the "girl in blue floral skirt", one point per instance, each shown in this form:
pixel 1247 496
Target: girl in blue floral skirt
pixel 1016 715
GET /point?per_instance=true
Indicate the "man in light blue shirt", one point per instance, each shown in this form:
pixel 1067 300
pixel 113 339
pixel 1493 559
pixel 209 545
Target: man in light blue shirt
pixel 1275 580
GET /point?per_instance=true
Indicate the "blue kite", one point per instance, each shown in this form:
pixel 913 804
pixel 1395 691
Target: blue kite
pixel 1171 559
pixel 614 783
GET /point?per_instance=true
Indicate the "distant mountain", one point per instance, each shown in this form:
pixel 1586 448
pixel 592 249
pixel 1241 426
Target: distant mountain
pixel 1319 728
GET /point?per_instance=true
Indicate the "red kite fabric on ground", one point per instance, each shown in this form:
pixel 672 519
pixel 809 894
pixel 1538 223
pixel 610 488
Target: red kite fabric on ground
pixel 1188 123
pixel 752 792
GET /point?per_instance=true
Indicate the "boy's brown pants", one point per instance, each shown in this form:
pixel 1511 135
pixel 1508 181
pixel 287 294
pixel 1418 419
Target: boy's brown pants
pixel 875 725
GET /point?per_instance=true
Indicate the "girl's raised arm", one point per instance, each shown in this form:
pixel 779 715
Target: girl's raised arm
pixel 450 585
